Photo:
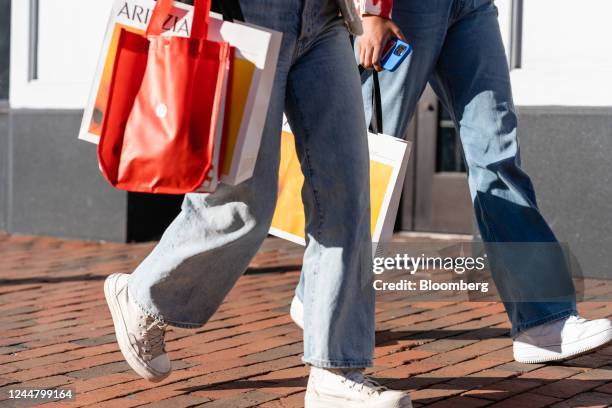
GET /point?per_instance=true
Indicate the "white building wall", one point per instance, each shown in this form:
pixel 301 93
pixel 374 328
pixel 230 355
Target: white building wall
pixel 70 34
pixel 567 52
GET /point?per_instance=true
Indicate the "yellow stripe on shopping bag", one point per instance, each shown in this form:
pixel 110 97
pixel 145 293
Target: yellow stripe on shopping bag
pixel 289 214
pixel 380 177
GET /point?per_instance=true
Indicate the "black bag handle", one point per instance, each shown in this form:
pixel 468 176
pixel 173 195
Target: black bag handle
pixel 230 9
pixel 376 122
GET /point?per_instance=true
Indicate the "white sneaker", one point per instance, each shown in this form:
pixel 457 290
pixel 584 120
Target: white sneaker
pixel 561 339
pixel 336 388
pixel 297 312
pixel 140 337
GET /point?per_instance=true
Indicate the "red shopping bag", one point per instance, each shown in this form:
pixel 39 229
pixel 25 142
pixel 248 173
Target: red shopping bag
pixel 166 93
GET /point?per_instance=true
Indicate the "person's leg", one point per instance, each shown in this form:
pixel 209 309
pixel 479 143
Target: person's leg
pixel 332 147
pixel 211 242
pixel 209 245
pixel 472 79
pixel 529 266
pixel 325 113
pixel 424 24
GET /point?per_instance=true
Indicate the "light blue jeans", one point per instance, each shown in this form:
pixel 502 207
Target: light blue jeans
pixel 458 49
pixel 210 244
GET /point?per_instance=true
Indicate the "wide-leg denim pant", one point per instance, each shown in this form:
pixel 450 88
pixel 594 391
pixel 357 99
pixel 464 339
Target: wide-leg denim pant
pixel 211 242
pixel 458 49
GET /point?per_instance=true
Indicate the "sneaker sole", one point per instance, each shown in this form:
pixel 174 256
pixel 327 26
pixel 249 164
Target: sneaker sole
pixel 121 334
pixel 594 342
pixel 313 400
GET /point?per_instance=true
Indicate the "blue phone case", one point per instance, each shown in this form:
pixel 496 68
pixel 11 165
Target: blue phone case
pixel 397 51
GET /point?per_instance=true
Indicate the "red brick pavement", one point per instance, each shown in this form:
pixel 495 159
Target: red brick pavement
pixel 57 332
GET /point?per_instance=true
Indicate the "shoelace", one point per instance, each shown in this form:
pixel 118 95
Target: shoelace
pixel 357 378
pixel 152 337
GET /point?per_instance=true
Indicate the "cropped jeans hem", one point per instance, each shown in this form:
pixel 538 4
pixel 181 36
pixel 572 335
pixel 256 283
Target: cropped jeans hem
pixel 338 363
pixel 542 320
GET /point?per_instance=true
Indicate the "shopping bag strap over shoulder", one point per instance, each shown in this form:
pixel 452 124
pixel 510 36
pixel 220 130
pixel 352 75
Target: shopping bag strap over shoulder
pixel 164 7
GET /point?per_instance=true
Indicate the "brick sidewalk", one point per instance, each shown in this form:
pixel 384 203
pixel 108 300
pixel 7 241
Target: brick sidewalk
pixel 56 332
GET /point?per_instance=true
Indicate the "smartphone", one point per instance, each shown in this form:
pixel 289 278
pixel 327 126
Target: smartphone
pixel 395 53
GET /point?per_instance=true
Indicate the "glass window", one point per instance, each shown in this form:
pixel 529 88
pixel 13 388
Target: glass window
pixel 449 153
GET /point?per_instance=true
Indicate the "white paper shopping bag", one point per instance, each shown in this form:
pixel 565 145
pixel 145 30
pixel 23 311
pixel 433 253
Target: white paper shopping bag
pixel 249 88
pixel 388 162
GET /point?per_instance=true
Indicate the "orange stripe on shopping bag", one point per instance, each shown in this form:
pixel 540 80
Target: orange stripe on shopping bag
pixel 289 214
pixel 241 79
pixel 95 126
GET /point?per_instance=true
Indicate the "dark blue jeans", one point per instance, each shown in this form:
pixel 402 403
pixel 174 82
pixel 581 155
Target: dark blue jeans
pixel 458 49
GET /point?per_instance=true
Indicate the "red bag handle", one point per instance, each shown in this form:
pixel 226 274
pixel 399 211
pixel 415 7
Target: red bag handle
pixel 163 8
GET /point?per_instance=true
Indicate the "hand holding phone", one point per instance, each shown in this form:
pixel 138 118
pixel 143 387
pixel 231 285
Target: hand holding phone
pixel 394 54
pixel 375 40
